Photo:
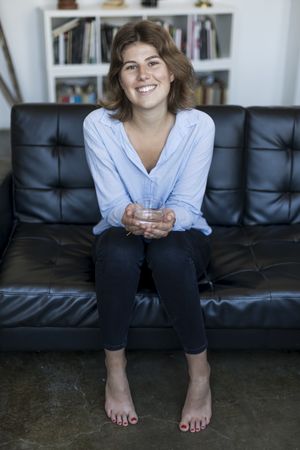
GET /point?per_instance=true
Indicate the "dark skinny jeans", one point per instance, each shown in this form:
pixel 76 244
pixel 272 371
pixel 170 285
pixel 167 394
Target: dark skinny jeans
pixel 176 261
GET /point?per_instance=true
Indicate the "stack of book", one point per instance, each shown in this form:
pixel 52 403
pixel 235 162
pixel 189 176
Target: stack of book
pixel 178 35
pixel 107 34
pixel 204 42
pixel 74 42
pixel 210 90
pixel 78 91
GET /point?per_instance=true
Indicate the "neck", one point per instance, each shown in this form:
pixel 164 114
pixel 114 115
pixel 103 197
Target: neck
pixel 144 120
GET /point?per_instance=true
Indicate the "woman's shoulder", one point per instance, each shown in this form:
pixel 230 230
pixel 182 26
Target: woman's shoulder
pixel 98 117
pixel 192 117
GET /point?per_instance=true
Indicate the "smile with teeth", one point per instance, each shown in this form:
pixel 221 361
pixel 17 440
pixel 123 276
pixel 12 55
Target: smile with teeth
pixel 145 89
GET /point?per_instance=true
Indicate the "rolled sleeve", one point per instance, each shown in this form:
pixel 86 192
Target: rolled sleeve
pixel 111 193
pixel 187 196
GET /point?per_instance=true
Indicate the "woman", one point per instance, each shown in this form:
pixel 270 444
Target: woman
pixel 148 141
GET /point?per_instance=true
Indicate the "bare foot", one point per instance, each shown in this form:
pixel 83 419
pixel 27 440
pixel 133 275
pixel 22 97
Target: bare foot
pixel 196 413
pixel 119 406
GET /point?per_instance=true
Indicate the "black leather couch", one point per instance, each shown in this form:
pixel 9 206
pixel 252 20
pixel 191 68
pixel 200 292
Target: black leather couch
pixel 251 297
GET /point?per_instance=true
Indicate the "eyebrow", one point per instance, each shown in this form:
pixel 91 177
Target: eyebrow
pixel 147 59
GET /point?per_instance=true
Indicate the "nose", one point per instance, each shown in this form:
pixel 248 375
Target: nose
pixel 143 73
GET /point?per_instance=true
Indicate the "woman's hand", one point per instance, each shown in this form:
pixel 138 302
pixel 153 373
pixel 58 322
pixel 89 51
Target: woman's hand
pixel 151 230
pixel 160 229
pixel 130 223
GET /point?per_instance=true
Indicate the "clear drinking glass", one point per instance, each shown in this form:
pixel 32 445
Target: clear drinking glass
pixel 148 210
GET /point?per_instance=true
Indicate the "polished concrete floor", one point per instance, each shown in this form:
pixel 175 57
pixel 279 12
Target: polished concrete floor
pixel 52 401
pixel 55 401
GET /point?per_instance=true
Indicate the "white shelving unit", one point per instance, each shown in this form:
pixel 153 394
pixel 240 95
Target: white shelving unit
pixel 183 16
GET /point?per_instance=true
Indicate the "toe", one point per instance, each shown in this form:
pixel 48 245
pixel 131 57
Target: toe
pixel 183 426
pixel 203 423
pixel 133 419
pixel 192 426
pixel 119 419
pixel 124 420
pixel 113 417
pixel 197 426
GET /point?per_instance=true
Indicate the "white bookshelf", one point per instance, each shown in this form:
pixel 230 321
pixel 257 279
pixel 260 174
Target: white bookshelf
pixel 182 16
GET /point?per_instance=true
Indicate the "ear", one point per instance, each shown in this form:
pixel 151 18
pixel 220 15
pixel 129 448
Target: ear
pixel 172 78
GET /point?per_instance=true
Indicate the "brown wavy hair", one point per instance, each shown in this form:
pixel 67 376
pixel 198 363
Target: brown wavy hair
pixel 181 95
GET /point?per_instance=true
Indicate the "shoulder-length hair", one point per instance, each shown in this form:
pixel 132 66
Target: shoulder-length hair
pixel 181 95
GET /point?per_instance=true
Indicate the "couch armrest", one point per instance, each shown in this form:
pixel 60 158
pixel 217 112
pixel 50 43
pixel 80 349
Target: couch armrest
pixel 6 204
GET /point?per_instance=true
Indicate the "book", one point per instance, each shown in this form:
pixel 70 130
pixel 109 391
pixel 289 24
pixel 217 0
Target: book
pixel 77 91
pixel 67 26
pixel 210 90
pixel 204 43
pixel 108 33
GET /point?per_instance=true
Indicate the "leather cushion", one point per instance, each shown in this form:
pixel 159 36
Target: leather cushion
pixel 47 280
pixel 224 197
pixel 273 166
pixel 52 180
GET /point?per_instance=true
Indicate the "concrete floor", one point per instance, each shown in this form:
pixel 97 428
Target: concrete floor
pixel 55 401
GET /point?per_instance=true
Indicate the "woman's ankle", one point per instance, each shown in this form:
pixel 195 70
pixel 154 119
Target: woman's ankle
pixel 115 359
pixel 198 366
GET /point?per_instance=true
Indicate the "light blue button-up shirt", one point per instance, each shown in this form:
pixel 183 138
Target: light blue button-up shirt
pixel 178 180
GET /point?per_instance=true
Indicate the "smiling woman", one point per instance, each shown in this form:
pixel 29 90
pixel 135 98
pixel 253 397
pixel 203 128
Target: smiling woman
pixel 144 77
pixel 148 142
pixel 181 95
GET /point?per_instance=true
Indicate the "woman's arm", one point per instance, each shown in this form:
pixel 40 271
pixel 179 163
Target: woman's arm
pixel 110 190
pixel 187 195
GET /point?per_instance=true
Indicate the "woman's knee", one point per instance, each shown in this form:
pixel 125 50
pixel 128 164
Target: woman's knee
pixel 169 252
pixel 113 245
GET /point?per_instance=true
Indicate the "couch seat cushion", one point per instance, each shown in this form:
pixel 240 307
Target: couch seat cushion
pixel 255 277
pixel 47 279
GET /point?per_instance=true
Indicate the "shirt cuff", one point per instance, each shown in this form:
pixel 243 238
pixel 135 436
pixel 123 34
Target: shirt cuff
pixel 184 219
pixel 114 218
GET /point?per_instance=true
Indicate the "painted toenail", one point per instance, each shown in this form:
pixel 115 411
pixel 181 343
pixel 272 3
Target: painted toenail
pixel 183 426
pixel 134 419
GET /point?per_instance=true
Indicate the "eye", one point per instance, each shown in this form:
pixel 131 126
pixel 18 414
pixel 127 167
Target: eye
pixel 153 63
pixel 130 67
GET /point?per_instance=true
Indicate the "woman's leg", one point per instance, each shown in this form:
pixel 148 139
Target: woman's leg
pixel 118 259
pixel 119 406
pixel 196 412
pixel 177 262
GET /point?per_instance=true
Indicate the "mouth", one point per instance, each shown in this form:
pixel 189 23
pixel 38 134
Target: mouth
pixel 146 89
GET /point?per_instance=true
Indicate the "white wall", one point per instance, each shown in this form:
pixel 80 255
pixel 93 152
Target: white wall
pixel 261 44
pixel 291 94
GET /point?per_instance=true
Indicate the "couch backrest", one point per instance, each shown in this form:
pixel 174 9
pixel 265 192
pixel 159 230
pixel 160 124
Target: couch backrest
pixel 53 183
pixel 51 178
pixel 224 197
pixel 273 166
pixel 254 177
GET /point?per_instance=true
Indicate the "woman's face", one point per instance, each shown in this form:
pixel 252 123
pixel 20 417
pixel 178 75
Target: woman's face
pixel 144 77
